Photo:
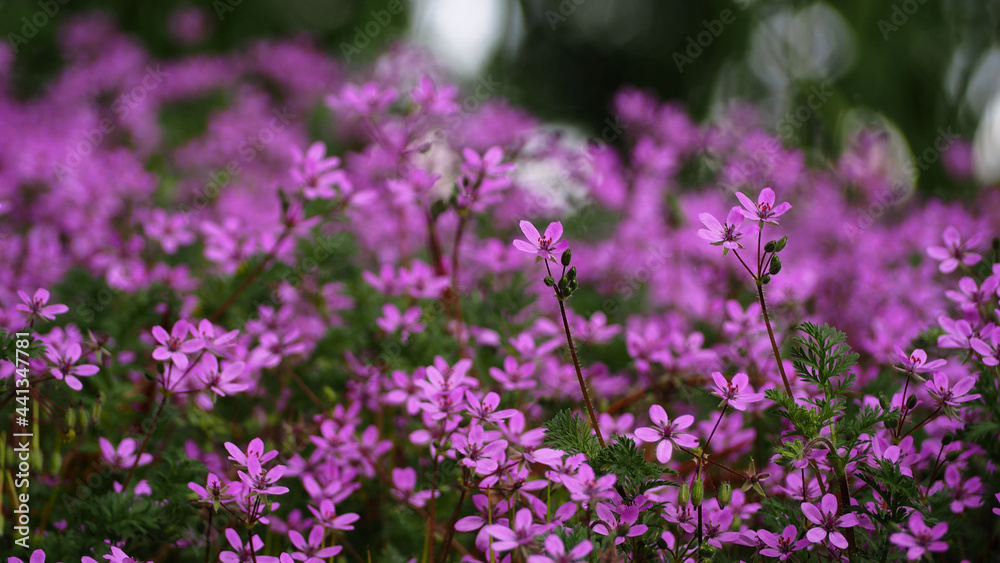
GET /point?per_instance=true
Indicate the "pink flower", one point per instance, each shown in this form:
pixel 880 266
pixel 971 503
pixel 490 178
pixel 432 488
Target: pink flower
pixel 175 346
pixel 585 486
pixel 916 362
pixel 524 531
pixel 955 252
pixel 556 551
pixel 736 393
pixel 480 451
pixel 366 101
pixel 623 527
pixel 254 450
pixel 971 295
pixel 244 552
pixel 827 522
pixel 37 557
pixel 312 551
pixel 221 382
pixel 781 546
pixel 65 366
pixel 920 538
pixel 946 395
pixel 997 510
pixel 36 308
pixel 728 235
pixel 214 491
pixel 317 173
pixel 513 376
pixel 123 456
pixel 667 433
pixel 405 482
pixel 170 230
pixel 543 246
pixel 262 482
pixel 328 517
pixel 765 211
pixel 406 323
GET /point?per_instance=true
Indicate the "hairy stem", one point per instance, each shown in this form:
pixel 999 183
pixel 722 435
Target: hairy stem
pixel 770 334
pixel 145 441
pixel 576 363
pixel 250 278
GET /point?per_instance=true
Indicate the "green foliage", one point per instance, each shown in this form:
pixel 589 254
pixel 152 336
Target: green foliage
pixel 570 433
pixel 144 523
pixel 623 459
pixel 822 355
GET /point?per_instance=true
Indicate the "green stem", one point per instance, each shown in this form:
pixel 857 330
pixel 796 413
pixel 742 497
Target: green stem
pixel 576 363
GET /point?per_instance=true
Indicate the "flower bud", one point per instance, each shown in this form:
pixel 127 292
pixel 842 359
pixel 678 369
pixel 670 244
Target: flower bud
pixel 571 274
pixel 775 266
pixel 948 439
pixel 780 245
pixel 770 246
pixel 725 494
pixel 698 492
pixel 883 403
pixel 71 418
pixel 573 285
pixel 911 401
pixel 549 281
pixel 952 456
pixel 684 496
pixel 766 279
pixel 567 255
pixel 95 413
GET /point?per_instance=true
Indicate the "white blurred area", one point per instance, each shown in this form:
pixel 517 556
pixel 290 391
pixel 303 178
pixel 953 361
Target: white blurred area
pixel 465 34
pixel 982 98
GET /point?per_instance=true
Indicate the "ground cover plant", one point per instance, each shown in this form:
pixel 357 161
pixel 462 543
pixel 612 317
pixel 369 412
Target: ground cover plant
pixel 255 307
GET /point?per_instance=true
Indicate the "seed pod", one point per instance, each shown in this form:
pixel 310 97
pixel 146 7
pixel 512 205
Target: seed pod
pixel 725 494
pixel 95 413
pixel 775 266
pixel 698 492
pixel 567 256
pixel 684 496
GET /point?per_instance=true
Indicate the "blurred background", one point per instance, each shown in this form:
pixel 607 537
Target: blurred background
pixel 920 71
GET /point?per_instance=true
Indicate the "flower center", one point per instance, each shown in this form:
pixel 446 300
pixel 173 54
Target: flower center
pixel 544 242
